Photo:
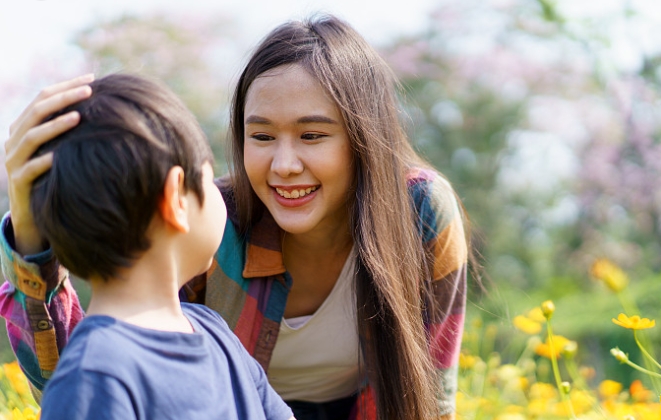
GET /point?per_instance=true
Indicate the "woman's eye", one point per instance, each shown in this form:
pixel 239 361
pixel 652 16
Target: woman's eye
pixel 312 136
pixel 261 137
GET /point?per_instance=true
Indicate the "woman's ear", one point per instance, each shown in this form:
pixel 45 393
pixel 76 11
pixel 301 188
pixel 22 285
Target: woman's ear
pixel 174 204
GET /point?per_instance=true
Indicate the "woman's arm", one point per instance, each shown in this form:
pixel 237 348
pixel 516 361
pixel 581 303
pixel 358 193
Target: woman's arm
pixel 36 299
pixel 441 225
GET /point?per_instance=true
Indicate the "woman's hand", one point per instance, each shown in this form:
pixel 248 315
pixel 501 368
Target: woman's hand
pixel 26 134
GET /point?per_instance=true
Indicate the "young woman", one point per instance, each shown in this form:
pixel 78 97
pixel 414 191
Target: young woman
pixel 343 270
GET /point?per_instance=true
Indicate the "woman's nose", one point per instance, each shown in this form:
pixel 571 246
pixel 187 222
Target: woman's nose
pixel 286 161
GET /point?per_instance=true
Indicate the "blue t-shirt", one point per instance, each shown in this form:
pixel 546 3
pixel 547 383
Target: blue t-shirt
pixel 114 370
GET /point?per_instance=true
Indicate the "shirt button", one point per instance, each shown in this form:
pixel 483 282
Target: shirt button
pixel 43 325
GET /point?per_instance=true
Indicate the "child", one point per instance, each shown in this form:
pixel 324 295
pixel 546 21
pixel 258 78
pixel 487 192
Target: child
pixel 130 205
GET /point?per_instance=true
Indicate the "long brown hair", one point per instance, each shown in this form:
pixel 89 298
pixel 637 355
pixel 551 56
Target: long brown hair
pixel 391 263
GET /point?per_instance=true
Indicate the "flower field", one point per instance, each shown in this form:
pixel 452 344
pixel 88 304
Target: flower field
pixel 16 402
pixel 546 381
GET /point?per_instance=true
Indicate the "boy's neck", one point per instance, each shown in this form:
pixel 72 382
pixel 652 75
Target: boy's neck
pixel 145 295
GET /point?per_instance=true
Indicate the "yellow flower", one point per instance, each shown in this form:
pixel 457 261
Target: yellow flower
pixel 633 323
pixel 526 325
pixel 536 314
pixel 559 343
pixel 466 361
pixel 609 389
pixel 538 407
pixel 543 391
pixel 582 401
pixel 610 274
pixel 548 308
pixel 27 414
pixel 16 378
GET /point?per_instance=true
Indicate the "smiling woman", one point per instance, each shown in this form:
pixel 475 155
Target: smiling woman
pixel 343 270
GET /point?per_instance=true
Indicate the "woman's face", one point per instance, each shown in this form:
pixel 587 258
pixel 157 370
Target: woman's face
pixel 296 151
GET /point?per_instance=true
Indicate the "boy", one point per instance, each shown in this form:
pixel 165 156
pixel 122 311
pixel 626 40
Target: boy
pixel 130 205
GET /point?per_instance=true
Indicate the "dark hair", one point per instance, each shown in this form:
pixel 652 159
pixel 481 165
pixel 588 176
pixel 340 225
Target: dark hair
pixel 96 202
pixel 392 265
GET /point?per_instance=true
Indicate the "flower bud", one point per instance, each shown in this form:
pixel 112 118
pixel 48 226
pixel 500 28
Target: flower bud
pixel 547 309
pixel 570 349
pixel 565 387
pixel 619 355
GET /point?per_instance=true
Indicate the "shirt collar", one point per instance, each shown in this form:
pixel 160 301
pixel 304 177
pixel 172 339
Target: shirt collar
pixel 264 249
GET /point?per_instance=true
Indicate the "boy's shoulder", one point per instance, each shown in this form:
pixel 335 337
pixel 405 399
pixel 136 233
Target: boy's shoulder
pixel 205 317
pixel 106 345
pixel 99 344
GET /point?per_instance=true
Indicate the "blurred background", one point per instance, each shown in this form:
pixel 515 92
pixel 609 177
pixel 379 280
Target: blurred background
pixel 545 115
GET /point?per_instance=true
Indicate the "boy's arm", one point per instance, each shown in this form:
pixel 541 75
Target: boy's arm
pixel 39 305
pixel 274 407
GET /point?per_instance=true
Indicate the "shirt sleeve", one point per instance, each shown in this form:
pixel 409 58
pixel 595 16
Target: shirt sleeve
pixel 274 407
pixel 40 307
pixel 441 226
pixel 85 395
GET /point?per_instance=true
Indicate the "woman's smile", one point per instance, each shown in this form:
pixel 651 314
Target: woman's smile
pixel 295 196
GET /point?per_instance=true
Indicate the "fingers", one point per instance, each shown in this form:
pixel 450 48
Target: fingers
pixel 35 137
pixel 67 85
pixel 51 91
pixel 37 111
pixel 31 170
pixel 26 134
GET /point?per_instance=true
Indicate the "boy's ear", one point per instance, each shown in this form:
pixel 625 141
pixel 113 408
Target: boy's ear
pixel 174 204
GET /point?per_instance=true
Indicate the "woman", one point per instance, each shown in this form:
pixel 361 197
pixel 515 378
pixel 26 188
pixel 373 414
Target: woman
pixel 343 270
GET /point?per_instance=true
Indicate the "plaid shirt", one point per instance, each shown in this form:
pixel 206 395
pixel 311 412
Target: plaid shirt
pixel 247 285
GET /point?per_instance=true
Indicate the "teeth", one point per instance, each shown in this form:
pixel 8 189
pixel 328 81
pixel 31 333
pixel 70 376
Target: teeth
pixel 295 193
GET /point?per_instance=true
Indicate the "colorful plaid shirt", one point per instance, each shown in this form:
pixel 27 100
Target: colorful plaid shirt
pixel 247 285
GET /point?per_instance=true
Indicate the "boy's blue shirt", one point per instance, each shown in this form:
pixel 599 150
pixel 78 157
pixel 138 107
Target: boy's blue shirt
pixel 114 370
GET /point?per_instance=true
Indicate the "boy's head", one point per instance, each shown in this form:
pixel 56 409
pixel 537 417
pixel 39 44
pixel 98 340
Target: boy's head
pixel 96 203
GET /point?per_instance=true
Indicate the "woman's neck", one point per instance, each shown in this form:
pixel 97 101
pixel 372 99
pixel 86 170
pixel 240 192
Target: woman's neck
pixel 315 265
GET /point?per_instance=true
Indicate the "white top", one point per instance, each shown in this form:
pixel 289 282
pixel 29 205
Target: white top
pixel 317 357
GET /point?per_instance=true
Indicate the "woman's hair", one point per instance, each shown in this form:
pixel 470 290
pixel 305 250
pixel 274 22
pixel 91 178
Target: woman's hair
pixel 95 204
pixel 391 263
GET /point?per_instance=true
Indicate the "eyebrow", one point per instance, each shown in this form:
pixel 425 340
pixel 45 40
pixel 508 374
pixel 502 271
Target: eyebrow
pixel 256 119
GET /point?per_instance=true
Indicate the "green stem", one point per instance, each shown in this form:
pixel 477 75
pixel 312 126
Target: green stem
pixel 573 373
pixel 642 369
pixel 628 304
pixel 578 380
pixel 645 353
pixel 630 307
pixel 556 370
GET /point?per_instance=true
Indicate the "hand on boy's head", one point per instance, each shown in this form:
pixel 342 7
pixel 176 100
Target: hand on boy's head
pixel 111 187
pixel 26 135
